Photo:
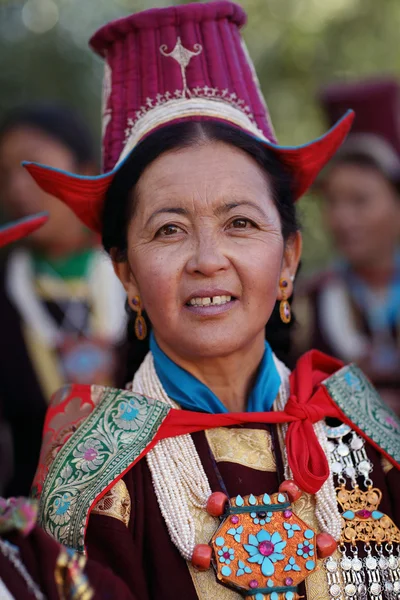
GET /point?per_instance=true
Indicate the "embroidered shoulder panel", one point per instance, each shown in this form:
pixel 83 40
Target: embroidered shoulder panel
pixel 68 409
pixel 361 403
pixel 106 444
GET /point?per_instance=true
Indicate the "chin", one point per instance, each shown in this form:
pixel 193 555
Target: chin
pixel 209 346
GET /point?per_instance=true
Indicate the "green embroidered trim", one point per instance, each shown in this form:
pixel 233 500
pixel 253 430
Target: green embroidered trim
pixel 108 441
pixel 361 403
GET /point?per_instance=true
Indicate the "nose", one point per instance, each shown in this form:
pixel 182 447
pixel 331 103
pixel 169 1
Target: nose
pixel 208 256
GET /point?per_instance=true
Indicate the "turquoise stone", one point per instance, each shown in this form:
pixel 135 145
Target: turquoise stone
pixel 310 564
pixel 308 534
pixel 220 541
pixel 226 571
pixel 289 596
pixel 349 515
pixel 274 596
pixel 252 500
pixel 281 498
pixel 376 514
pixel 239 501
pixel 259 596
pixel 266 499
pixel 270 583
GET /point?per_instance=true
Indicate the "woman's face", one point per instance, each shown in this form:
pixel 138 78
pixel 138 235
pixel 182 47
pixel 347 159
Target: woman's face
pixel 205 250
pixel 362 212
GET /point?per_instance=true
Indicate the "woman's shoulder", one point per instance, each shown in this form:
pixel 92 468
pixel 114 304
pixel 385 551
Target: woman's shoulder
pixel 359 403
pixel 68 409
pixel 77 413
pixel 92 436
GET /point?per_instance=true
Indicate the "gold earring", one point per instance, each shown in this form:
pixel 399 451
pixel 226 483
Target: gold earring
pixel 284 306
pixel 140 323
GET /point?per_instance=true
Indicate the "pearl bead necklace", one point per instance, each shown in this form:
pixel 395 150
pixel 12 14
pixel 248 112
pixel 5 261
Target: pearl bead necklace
pixel 178 475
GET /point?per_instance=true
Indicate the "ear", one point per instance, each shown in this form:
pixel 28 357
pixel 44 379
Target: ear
pixel 290 262
pixel 124 273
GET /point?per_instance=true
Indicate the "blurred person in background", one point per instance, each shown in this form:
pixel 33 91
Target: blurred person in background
pixel 61 308
pixel 352 310
pixel 32 565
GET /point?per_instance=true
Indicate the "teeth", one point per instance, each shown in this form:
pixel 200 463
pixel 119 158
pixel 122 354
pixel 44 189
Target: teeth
pixel 214 300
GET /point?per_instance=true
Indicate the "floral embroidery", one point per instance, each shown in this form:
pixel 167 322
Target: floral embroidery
pixel 261 517
pixel 265 549
pixel 96 454
pixel 242 569
pixel 226 555
pixel 60 512
pixel 87 456
pixel 68 409
pixel 305 549
pixel 292 566
pixel 291 528
pixel 131 415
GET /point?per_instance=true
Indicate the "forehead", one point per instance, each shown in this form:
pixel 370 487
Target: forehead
pixel 206 171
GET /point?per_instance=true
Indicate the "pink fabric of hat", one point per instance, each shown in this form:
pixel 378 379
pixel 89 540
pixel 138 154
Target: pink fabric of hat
pixel 169 65
pixel 13 232
pixel 376 128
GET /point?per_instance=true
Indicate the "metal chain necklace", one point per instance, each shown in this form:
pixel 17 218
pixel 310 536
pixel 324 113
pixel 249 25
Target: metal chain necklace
pixel 377 575
pixel 11 552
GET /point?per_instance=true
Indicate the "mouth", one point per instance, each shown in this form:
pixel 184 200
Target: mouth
pixel 212 304
pixel 209 300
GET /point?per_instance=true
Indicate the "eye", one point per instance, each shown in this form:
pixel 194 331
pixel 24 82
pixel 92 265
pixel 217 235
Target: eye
pixel 242 223
pixel 167 230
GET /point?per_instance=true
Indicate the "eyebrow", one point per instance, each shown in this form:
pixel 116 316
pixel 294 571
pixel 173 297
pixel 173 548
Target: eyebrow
pixel 227 206
pixel 170 211
pixel 220 210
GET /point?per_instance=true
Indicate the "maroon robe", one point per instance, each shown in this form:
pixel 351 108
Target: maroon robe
pixel 143 554
pixel 39 554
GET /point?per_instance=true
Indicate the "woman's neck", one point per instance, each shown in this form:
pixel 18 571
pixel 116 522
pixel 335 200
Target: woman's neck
pixel 231 377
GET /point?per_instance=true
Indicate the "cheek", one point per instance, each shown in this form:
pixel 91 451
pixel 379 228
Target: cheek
pixel 260 270
pixel 157 276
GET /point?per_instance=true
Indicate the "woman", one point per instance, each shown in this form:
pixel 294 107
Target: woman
pixel 362 211
pixel 198 215
pixel 61 309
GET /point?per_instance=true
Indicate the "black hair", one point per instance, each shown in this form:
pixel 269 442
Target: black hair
pixel 119 204
pixel 58 122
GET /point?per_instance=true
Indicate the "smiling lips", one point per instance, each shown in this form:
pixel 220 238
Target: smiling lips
pixel 209 301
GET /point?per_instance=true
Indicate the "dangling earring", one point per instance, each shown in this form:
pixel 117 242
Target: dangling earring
pixel 140 323
pixel 284 306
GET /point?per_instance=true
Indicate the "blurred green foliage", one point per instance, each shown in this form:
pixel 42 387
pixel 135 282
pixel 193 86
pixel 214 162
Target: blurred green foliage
pixel 297 46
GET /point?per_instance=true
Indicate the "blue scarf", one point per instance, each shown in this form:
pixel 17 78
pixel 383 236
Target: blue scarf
pixel 192 394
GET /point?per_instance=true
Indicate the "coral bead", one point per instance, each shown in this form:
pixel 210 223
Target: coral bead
pixel 326 545
pixel 291 489
pixel 216 504
pixel 201 557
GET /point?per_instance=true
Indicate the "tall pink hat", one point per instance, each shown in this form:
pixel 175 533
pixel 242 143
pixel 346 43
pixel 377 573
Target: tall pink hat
pixel 170 65
pixel 12 232
pixel 376 128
